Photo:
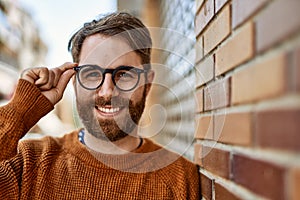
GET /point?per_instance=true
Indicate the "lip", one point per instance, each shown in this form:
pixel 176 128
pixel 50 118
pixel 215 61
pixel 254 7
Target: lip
pixel 108 111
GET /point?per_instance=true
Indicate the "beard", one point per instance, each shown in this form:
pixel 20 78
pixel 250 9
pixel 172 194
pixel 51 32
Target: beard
pixel 116 128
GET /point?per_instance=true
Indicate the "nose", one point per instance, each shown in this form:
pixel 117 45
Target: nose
pixel 107 89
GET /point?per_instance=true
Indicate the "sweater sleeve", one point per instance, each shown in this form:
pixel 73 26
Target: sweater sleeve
pixel 25 109
pixel 27 106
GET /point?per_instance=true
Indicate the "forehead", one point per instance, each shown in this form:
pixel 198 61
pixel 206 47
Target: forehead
pixel 107 51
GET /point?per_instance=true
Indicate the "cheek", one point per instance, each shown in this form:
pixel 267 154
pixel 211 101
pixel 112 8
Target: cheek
pixel 137 95
pixel 83 95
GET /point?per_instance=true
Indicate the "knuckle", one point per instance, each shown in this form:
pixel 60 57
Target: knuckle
pixel 24 72
pixel 56 71
pixel 44 69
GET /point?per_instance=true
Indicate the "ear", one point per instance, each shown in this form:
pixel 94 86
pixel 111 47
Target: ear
pixel 150 77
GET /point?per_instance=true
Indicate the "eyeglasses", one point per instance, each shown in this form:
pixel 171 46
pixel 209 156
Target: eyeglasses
pixel 125 78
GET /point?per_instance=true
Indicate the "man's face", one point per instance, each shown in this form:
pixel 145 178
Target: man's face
pixel 108 113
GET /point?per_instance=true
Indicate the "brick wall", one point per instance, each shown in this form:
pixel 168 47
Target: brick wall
pixel 248 98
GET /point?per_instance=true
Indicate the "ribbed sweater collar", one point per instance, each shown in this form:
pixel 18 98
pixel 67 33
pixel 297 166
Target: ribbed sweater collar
pixel 148 157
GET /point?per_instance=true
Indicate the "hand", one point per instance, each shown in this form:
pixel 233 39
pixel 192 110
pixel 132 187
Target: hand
pixel 51 82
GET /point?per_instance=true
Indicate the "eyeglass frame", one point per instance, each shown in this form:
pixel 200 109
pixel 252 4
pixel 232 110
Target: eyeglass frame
pixel 112 72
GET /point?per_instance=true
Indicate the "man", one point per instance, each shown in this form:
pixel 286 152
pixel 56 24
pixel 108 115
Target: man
pixel 106 159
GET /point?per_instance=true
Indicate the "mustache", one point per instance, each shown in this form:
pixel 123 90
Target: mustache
pixel 112 101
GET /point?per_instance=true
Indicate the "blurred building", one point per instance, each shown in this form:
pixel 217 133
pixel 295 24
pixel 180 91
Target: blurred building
pixel 20 44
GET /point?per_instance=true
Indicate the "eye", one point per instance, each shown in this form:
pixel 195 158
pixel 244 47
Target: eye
pixel 125 75
pixel 91 73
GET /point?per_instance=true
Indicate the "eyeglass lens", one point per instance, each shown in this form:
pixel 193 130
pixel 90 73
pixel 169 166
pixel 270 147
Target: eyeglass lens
pixel 124 78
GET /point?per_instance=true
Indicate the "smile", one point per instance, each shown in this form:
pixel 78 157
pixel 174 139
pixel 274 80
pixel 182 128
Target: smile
pixel 108 111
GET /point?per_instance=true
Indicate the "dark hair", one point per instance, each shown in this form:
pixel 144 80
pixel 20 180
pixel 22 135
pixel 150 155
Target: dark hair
pixel 126 26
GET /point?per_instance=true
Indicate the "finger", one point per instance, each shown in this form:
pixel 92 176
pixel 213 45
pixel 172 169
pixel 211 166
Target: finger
pixel 64 79
pixel 57 73
pixel 67 65
pixel 24 75
pixel 37 75
pixel 59 70
pixel 50 82
pixel 40 75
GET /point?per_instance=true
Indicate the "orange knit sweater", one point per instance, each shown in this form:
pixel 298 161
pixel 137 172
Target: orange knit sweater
pixel 63 168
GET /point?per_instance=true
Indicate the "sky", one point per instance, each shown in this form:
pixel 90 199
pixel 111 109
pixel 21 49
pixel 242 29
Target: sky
pixel 57 20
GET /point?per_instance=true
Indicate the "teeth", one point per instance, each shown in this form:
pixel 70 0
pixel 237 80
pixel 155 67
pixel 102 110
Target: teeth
pixel 109 110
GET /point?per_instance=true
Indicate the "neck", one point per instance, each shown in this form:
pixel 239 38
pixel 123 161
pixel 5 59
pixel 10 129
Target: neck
pixel 122 146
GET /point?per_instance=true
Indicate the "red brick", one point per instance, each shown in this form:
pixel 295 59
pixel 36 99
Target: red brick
pixel 261 177
pixel 204 127
pixel 233 128
pixel 278 129
pixel 276 23
pixel 236 51
pixel 243 9
pixel 206 186
pixel 204 16
pixel 222 193
pixel 216 161
pixel 295 182
pixel 205 71
pixel 263 80
pixel 217 31
pixel 219 4
pixel 295 71
pixel 216 95
pixel 199 100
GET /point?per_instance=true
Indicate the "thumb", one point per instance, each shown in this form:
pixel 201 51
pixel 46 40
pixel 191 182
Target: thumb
pixel 64 79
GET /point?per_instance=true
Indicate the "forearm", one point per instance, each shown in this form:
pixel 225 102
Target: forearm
pixel 25 109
